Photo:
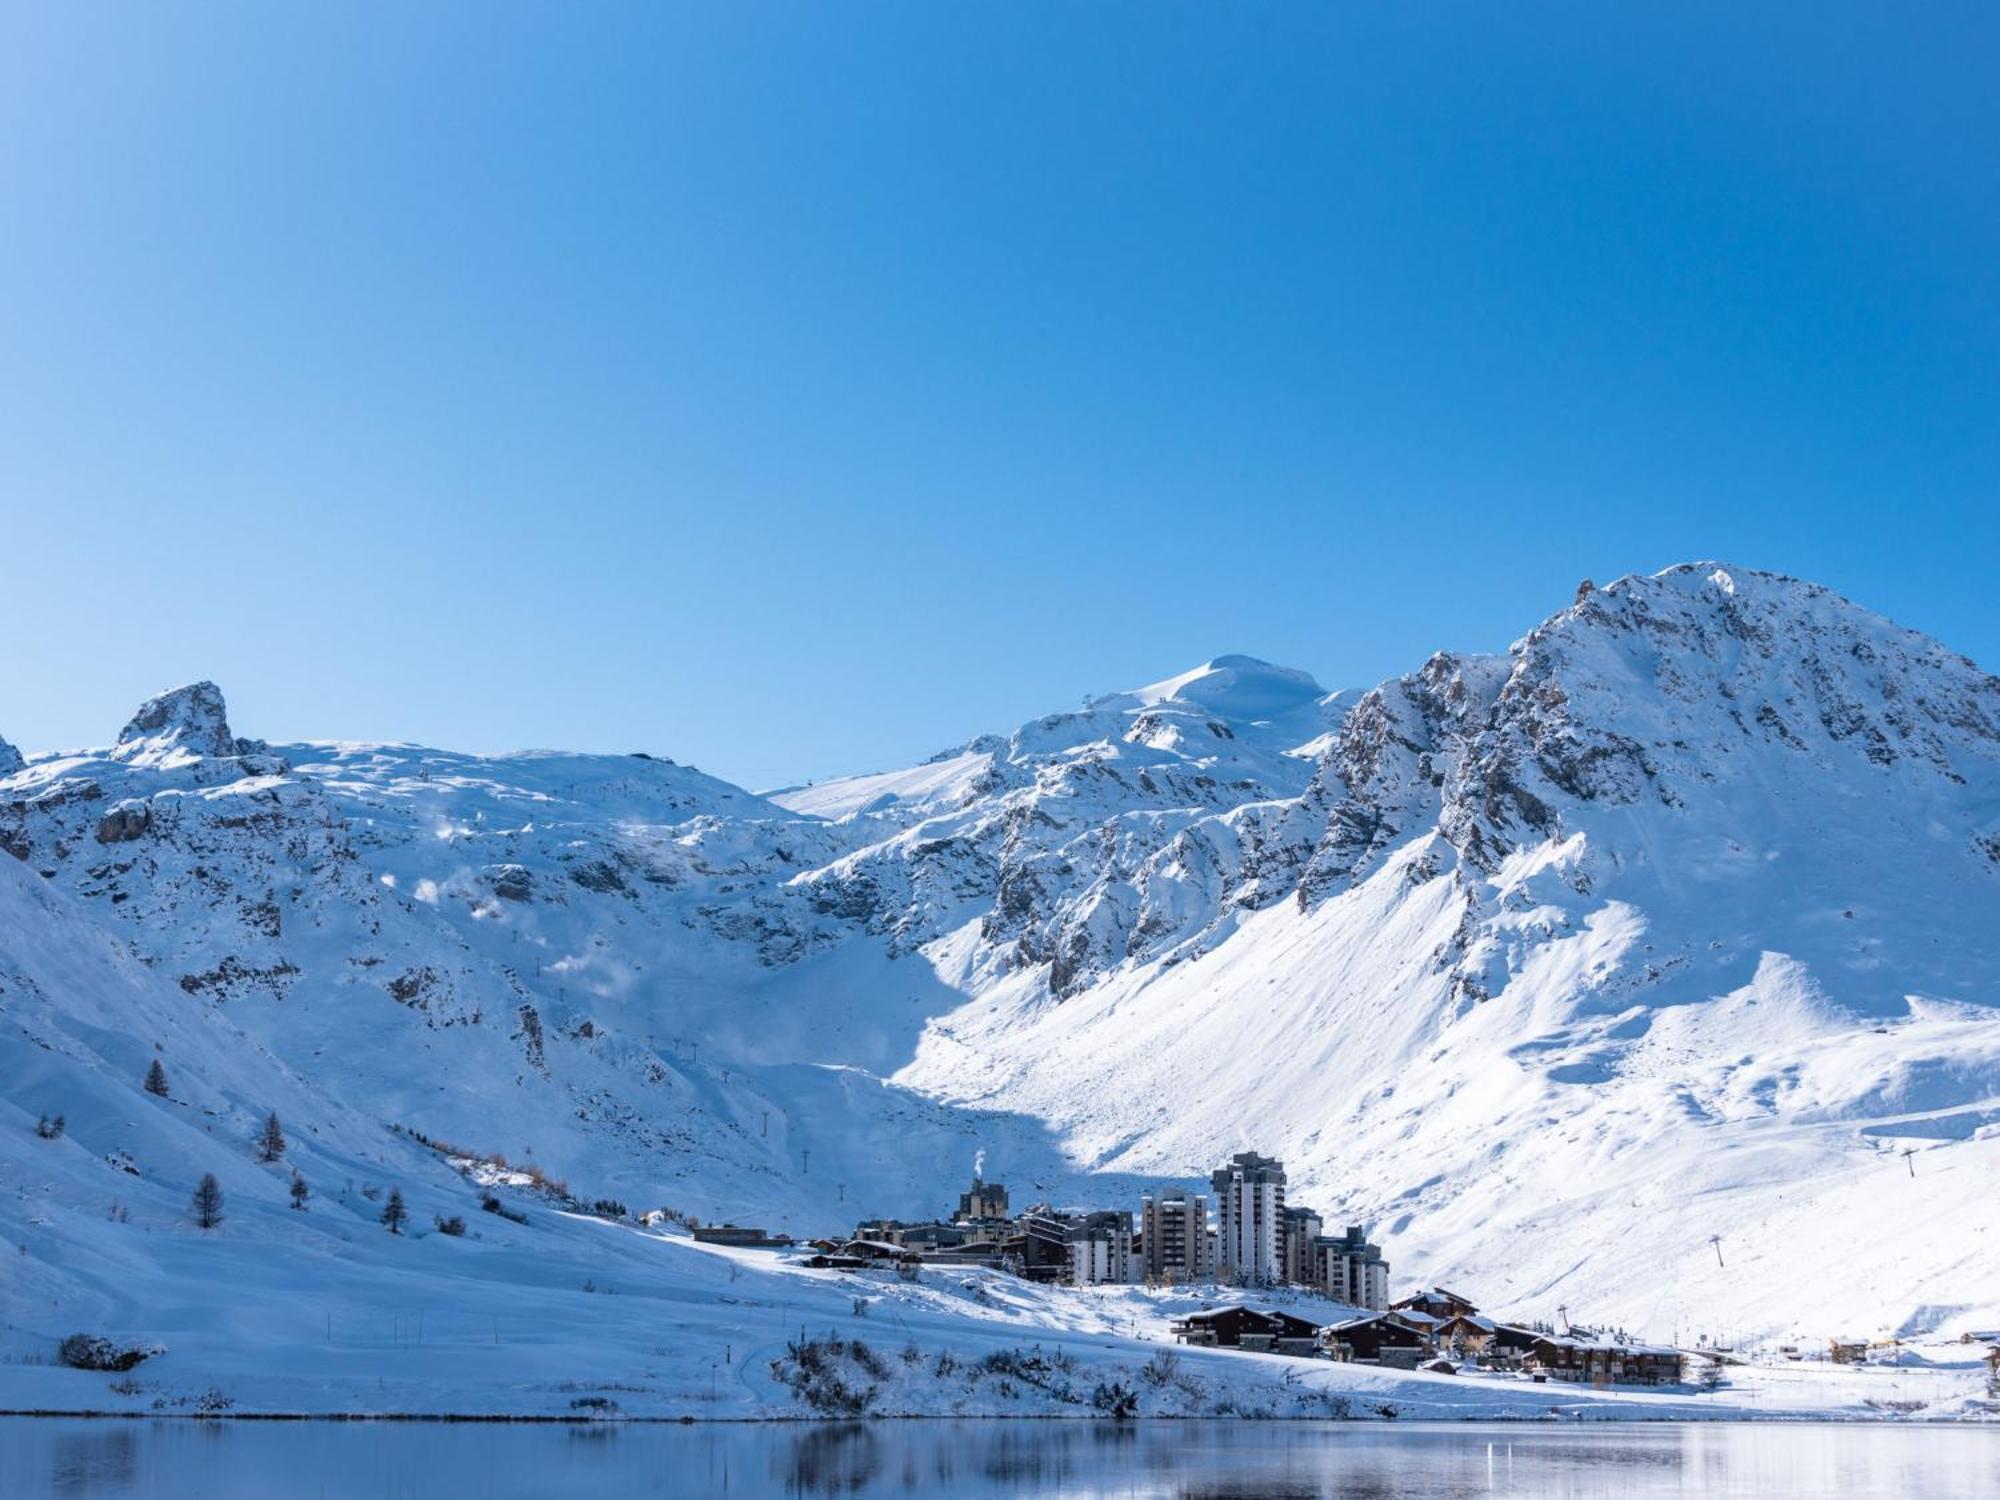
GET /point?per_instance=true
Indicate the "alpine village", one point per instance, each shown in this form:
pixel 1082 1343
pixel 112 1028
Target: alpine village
pixel 1241 1239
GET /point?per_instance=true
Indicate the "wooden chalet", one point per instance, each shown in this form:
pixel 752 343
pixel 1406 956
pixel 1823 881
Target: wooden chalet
pixel 1591 1361
pixel 1500 1346
pixel 740 1236
pixel 1393 1338
pixel 1249 1328
pixel 1437 1303
pixel 875 1252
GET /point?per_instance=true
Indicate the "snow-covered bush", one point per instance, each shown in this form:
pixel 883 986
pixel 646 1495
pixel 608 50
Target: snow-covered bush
pixel 90 1351
pixel 1116 1400
pixel 826 1374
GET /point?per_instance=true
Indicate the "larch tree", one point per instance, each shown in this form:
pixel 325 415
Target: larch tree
pixel 300 1191
pixel 394 1214
pixel 156 1079
pixel 208 1201
pixel 271 1145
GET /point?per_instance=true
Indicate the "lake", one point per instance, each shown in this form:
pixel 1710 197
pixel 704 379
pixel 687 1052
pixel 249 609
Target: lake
pixel 970 1460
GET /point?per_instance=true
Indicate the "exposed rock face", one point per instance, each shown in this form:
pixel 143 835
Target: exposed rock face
pixel 10 759
pixel 184 723
pixel 124 823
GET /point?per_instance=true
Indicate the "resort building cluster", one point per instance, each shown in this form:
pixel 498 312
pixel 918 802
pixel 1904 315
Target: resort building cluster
pixel 1241 1233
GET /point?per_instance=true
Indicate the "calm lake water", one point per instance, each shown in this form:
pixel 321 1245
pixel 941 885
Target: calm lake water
pixel 973 1460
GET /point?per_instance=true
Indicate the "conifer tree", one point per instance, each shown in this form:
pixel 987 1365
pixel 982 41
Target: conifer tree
pixel 393 1213
pixel 156 1079
pixel 300 1191
pixel 272 1144
pixel 208 1201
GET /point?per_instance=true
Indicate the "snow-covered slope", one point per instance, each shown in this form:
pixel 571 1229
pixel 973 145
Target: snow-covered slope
pixel 1682 920
pixel 1679 920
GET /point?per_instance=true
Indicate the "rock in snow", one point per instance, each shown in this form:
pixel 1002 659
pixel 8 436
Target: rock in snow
pixel 188 721
pixel 1680 919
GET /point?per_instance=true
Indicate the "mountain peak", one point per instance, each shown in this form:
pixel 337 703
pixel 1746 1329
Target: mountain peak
pixel 183 723
pixel 10 758
pixel 1236 687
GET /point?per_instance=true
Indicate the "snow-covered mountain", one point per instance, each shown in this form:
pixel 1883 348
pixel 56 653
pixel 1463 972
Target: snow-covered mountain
pixel 1679 921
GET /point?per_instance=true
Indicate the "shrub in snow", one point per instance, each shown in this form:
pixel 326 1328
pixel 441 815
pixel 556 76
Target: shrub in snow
pixel 300 1192
pixel 90 1351
pixel 597 1406
pixel 207 1205
pixel 608 1208
pixel 1116 1400
pixel 821 1373
pixel 1709 1379
pixel 51 1130
pixel 493 1205
pixel 454 1226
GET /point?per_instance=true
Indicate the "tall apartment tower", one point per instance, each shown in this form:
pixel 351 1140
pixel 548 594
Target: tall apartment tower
pixel 1351 1270
pixel 1173 1228
pixel 1100 1249
pixel 1249 1214
pixel 1299 1228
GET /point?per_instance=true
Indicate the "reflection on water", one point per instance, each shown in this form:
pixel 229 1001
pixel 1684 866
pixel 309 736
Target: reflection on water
pixel 971 1460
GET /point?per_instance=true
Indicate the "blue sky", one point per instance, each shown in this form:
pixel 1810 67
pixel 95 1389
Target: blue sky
pixel 796 389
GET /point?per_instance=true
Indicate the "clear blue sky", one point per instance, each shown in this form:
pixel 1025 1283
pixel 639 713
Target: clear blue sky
pixel 795 389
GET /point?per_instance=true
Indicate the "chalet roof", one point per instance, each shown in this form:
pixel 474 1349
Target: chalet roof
pixel 873 1247
pixel 1472 1320
pixel 1272 1319
pixel 1603 1346
pixel 1408 1322
pixel 1430 1292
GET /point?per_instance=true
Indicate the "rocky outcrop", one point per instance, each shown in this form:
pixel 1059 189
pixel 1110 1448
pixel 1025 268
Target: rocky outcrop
pixel 125 822
pixel 11 760
pixel 186 721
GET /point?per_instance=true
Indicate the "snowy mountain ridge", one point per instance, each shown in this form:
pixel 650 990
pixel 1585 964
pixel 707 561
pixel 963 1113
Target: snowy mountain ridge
pixel 1692 895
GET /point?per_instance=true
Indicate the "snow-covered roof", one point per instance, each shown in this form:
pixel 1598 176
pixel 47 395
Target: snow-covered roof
pixel 1613 1346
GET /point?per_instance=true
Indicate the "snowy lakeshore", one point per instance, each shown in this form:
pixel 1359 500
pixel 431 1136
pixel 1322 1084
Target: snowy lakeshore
pixel 574 1318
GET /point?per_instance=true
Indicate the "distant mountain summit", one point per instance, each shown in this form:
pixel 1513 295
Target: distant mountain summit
pixel 1679 918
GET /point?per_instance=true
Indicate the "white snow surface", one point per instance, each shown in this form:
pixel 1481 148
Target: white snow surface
pixel 1650 970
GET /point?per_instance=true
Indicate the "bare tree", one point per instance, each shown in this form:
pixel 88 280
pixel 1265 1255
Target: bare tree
pixel 156 1080
pixel 208 1201
pixel 272 1145
pixel 394 1214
